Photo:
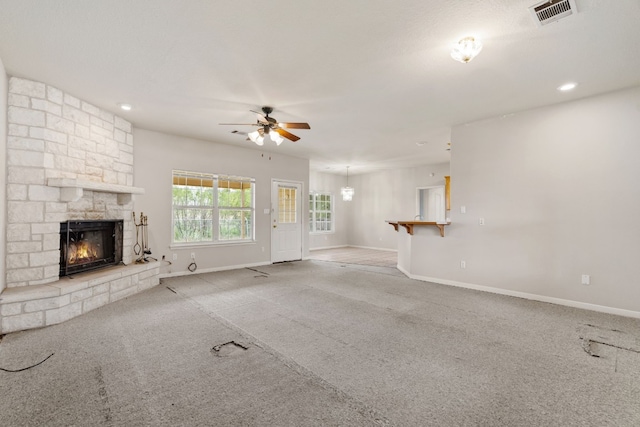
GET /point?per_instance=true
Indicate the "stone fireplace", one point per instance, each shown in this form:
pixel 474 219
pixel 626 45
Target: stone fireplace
pixel 67 162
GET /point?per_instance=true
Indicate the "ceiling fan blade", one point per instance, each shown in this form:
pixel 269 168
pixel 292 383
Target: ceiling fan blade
pixel 238 124
pixel 295 125
pixel 261 118
pixel 287 135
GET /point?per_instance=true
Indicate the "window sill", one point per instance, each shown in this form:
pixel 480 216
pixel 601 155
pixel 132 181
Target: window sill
pixel 210 244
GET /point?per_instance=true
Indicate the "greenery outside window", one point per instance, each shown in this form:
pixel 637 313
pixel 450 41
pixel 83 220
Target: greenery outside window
pixel 321 213
pixel 210 208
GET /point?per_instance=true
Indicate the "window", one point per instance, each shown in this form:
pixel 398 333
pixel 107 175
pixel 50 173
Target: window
pixel 212 208
pixel 320 212
pixel 287 205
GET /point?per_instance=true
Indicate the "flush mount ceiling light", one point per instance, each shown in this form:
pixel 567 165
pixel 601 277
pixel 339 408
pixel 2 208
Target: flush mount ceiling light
pixel 125 107
pixel 347 192
pixel 567 86
pixel 466 49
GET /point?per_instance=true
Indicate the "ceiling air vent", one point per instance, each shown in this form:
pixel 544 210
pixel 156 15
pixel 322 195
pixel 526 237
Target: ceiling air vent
pixel 550 11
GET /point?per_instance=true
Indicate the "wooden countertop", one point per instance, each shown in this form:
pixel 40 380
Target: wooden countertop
pixel 408 225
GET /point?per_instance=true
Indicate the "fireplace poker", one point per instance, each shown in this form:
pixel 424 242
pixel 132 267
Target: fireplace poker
pixel 136 247
pixel 145 230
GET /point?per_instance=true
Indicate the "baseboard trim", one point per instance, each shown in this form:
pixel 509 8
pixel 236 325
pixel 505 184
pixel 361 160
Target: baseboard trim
pixel 352 246
pixel 372 248
pixel 525 295
pixel 212 270
pixel 327 247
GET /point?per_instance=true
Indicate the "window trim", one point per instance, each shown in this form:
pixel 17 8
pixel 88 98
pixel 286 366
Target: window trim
pixel 215 209
pixel 312 213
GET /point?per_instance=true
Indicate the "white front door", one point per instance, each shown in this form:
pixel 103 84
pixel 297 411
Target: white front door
pixel 286 221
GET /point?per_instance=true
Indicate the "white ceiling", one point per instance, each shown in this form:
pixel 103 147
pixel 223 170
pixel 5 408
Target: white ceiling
pixel 372 77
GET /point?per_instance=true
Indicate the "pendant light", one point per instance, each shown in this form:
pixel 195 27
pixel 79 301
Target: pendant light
pixel 347 192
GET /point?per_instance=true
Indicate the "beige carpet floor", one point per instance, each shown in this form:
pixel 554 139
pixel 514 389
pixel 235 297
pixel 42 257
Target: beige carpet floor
pixel 317 343
pixel 353 255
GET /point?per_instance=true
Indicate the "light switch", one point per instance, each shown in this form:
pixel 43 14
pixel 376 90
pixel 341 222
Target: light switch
pixel 266 211
pixel 463 209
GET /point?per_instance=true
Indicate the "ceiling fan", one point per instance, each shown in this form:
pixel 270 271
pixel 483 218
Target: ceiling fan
pixel 268 126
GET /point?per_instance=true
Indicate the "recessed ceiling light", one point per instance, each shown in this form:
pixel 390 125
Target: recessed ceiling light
pixel 421 143
pixel 567 86
pixel 125 107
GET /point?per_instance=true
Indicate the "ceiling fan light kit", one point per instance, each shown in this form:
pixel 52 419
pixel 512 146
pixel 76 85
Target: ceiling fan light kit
pixel 275 137
pixel 256 137
pixel 466 49
pixel 268 126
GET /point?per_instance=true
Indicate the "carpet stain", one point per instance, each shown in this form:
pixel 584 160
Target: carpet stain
pixel 104 397
pixel 229 349
pixel 590 346
pixel 619 349
pixel 257 271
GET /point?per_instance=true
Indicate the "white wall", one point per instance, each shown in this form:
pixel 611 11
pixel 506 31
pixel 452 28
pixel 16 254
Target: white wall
pixel 330 183
pixel 558 188
pixel 386 195
pixel 4 87
pixel 157 154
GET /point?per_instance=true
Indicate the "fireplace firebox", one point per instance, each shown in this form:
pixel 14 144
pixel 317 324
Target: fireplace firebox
pixel 88 245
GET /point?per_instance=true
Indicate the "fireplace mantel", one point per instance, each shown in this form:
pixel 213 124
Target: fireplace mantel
pixel 72 190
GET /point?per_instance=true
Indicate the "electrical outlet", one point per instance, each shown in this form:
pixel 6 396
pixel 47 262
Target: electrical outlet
pixel 463 209
pixel 586 279
pixel 481 221
pixel 193 256
pixel 175 257
pixel 463 264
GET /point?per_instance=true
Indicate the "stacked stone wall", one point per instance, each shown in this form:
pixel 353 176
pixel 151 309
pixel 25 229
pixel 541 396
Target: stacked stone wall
pixel 53 135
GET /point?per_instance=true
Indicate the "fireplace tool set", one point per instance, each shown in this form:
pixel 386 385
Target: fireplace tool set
pixel 142 239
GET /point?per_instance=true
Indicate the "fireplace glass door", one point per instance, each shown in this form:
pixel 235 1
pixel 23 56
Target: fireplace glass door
pixel 88 245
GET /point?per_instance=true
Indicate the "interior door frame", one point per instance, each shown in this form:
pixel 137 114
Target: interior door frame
pixel 272 213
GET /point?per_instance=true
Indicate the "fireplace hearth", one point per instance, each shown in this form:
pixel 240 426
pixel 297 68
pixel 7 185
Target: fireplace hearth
pixel 89 245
